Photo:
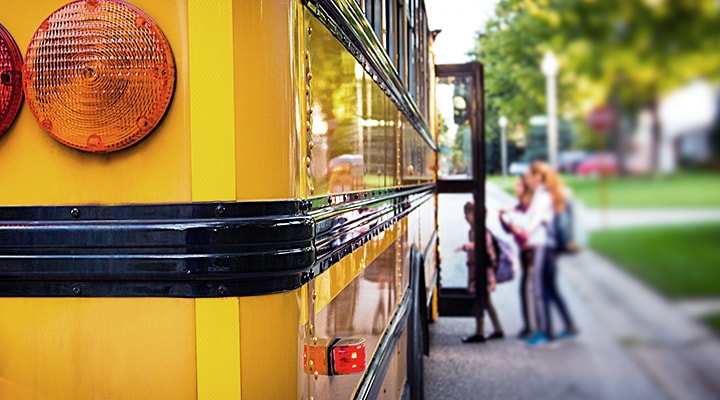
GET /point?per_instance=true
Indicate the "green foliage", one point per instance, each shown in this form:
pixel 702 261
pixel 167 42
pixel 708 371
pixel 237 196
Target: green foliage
pixel 627 52
pixel 679 261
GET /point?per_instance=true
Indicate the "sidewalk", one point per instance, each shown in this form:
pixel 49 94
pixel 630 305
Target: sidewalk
pixel 633 345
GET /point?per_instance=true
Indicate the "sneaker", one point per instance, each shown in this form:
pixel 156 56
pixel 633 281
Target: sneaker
pixel 474 339
pixel 524 334
pixel 568 333
pixel 537 339
pixel 496 335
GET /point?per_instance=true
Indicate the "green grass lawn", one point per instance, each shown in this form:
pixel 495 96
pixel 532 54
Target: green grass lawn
pixel 679 261
pixel 681 190
pixel 713 321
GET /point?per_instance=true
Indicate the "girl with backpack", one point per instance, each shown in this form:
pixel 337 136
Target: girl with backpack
pixel 469 248
pixel 547 202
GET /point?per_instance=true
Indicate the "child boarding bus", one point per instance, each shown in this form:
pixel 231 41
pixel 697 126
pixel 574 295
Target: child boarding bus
pixel 215 199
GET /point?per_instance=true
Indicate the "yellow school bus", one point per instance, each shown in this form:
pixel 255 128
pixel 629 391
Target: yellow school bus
pixel 215 199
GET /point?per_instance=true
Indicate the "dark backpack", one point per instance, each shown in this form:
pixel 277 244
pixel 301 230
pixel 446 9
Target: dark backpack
pixel 504 270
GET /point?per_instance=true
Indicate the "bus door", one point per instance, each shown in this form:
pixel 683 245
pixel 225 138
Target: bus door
pixel 460 186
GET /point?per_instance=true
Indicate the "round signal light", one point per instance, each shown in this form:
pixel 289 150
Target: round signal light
pixel 11 93
pixel 98 75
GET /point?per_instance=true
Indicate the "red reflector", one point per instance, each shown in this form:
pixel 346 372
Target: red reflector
pixel 98 75
pixel 10 80
pixel 349 356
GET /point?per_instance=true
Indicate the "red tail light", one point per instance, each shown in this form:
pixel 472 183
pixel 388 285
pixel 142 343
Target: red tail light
pixel 98 75
pixel 10 80
pixel 349 356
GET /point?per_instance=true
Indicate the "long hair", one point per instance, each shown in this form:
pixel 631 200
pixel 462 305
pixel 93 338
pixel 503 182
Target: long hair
pixel 552 182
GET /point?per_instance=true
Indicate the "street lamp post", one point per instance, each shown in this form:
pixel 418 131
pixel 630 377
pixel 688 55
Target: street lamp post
pixel 550 68
pixel 503 146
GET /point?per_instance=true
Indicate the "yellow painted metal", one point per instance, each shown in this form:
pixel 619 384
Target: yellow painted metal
pixel 218 348
pixel 331 282
pixel 269 332
pixel 212 99
pixel 266 106
pixel 90 348
pixel 38 170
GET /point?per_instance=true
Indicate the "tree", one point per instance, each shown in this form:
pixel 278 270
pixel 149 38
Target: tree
pixel 627 53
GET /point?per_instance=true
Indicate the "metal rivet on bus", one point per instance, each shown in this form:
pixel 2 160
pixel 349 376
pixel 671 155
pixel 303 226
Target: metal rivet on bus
pixel 311 145
pixel 311 329
pixel 308 126
pixel 222 290
pixel 311 364
pixel 220 209
pixel 316 375
pixel 75 212
pixel 307 89
pixel 308 161
pixel 309 76
pixel 311 189
pixel 307 54
pixel 77 290
pixel 309 30
pixel 314 296
pixel 315 340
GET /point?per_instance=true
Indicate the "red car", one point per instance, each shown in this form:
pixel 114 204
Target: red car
pixel 597 164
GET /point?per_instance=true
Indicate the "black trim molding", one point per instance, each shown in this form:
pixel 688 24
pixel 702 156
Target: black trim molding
pixel 189 250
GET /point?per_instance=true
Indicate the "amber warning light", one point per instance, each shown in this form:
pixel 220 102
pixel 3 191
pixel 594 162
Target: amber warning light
pixel 98 75
pixel 11 92
pixel 335 357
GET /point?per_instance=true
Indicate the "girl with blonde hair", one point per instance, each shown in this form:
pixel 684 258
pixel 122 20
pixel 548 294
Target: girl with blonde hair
pixel 547 201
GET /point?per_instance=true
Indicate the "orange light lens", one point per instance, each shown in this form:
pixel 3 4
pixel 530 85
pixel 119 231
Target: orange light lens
pixel 10 83
pixel 315 359
pixel 99 75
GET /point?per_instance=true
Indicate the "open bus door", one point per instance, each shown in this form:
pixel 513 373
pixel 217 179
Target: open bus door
pixel 461 179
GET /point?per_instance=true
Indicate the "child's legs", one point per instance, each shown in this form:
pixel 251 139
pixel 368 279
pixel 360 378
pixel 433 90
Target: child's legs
pixel 526 290
pixel 492 312
pixel 537 281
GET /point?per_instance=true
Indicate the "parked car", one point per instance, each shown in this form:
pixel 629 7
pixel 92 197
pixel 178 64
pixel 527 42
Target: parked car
pixel 568 161
pixel 596 164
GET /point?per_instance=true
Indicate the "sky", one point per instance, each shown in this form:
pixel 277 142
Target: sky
pixel 459 21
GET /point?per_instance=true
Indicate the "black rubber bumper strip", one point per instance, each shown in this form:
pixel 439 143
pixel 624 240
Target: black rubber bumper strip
pixel 186 250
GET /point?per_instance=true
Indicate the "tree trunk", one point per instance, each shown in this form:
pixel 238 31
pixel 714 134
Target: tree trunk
pixel 655 134
pixel 619 138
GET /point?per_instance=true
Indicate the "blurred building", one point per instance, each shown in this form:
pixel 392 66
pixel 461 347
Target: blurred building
pixel 689 120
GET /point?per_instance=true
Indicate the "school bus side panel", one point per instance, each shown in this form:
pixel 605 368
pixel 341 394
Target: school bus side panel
pixel 89 348
pixel 42 171
pixel 267 54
